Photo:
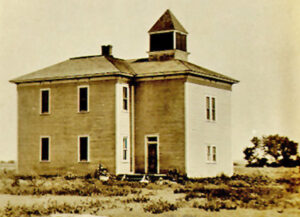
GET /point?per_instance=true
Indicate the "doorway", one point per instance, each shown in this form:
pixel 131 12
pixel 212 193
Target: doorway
pixel 152 153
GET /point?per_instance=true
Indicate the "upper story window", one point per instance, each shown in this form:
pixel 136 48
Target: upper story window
pixel 45 149
pixel 125 148
pixel 180 41
pixel 125 98
pixel 83 151
pixel 161 41
pixel 45 101
pixel 210 108
pixel 211 154
pixel 83 98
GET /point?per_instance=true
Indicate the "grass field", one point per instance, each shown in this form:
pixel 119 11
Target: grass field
pixel 249 192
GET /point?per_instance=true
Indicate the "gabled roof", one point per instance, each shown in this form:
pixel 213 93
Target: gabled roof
pixel 167 22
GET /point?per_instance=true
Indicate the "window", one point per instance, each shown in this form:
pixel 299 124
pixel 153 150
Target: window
pixel 210 108
pixel 180 41
pixel 162 41
pixel 125 148
pixel 83 149
pixel 125 98
pixel 213 111
pixel 214 153
pixel 152 138
pixel 45 101
pixel 211 154
pixel 208 156
pixel 45 147
pixel 83 99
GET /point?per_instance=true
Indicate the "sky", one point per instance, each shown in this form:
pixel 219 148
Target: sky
pixel 256 42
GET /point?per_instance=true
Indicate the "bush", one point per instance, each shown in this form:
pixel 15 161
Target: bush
pixel 215 205
pixel 138 199
pixel 51 207
pixel 160 207
pixel 193 195
pixel 61 186
pixel 174 175
pixel 292 184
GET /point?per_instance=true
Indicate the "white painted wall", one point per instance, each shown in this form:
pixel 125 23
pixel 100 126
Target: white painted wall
pixel 122 129
pixel 200 132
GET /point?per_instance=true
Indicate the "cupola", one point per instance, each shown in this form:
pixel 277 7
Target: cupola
pixel 167 39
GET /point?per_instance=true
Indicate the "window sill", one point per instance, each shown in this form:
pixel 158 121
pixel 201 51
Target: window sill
pixel 211 162
pixel 125 161
pixel 83 112
pixel 84 162
pixel 210 121
pixel 45 114
pixel 45 161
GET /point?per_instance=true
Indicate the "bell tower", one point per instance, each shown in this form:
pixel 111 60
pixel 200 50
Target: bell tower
pixel 167 39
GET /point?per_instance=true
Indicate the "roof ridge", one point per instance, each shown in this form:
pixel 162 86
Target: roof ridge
pixel 127 65
pixel 83 57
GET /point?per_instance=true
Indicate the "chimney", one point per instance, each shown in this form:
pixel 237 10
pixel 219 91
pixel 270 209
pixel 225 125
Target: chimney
pixel 106 50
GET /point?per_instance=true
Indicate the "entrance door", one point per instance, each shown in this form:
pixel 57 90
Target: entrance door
pixel 152 149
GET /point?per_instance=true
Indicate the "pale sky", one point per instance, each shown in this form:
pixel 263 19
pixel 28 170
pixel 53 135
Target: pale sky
pixel 256 42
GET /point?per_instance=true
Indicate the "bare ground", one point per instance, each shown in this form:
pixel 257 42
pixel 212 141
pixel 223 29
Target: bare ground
pixel 115 206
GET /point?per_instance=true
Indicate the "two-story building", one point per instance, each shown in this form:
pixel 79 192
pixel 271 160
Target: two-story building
pixel 147 115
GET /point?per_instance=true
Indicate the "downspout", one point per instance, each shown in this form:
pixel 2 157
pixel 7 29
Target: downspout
pixel 132 126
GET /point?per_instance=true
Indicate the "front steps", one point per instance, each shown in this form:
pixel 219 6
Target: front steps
pixel 141 177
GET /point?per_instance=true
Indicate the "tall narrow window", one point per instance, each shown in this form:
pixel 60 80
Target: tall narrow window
pixel 45 102
pixel 83 148
pixel 208 155
pixel 180 41
pixel 125 98
pixel 214 154
pixel 213 107
pixel 83 99
pixel 211 154
pixel 45 149
pixel 210 108
pixel 125 148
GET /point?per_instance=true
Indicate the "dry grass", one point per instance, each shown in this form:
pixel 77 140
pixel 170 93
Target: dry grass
pixel 263 189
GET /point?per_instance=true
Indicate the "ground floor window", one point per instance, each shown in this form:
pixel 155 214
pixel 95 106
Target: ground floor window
pixel 211 153
pixel 83 149
pixel 125 148
pixel 45 147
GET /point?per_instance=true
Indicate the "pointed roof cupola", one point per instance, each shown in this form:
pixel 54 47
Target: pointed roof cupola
pixel 167 39
pixel 167 22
